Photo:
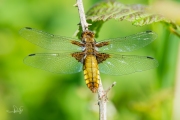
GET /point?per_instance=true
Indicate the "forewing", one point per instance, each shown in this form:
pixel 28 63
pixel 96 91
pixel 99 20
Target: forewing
pixel 126 64
pixel 62 63
pixel 49 41
pixel 129 43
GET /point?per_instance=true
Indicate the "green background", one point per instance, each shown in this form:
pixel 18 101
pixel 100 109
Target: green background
pixel 145 95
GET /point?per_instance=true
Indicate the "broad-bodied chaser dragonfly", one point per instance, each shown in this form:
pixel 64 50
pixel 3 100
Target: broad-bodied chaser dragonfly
pixel 88 55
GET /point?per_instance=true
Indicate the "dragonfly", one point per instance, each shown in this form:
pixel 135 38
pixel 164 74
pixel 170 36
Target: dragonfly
pixel 88 55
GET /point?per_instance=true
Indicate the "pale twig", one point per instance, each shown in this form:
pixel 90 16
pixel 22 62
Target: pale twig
pixel 114 83
pixel 102 95
pixel 84 24
pixel 102 99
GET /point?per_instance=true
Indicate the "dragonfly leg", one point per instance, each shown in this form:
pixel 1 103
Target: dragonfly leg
pixel 101 44
pixel 77 43
pixel 102 57
pixel 78 56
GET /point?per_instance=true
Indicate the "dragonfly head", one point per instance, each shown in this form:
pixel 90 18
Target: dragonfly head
pixel 87 36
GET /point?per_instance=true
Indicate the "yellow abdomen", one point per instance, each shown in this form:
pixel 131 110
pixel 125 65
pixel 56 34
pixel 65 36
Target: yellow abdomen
pixel 91 73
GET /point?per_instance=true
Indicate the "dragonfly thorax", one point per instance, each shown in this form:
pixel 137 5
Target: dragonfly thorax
pixel 87 36
pixel 90 48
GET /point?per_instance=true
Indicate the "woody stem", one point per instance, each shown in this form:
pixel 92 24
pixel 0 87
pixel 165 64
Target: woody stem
pixel 84 24
pixel 101 93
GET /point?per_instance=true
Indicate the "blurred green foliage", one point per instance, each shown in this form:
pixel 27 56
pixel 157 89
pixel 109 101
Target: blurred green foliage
pixel 46 96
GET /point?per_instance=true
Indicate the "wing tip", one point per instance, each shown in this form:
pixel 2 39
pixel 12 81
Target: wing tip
pixel 148 31
pixel 21 31
pixel 150 57
pixel 155 61
pixel 152 33
pixel 28 28
pixel 31 54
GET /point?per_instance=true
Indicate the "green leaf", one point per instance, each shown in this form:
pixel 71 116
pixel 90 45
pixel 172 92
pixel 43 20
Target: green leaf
pixel 138 15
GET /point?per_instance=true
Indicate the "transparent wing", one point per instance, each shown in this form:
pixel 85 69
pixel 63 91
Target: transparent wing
pixel 126 64
pixel 48 41
pixel 129 43
pixel 57 62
